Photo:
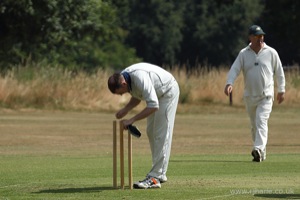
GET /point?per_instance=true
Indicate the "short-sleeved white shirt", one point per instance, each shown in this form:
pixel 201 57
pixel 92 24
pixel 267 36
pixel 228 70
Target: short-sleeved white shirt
pixel 258 71
pixel 149 82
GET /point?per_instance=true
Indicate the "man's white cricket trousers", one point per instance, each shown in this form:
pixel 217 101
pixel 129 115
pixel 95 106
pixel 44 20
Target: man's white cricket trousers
pixel 259 109
pixel 160 127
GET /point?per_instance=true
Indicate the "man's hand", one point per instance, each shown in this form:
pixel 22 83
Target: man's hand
pixel 121 113
pixel 126 123
pixel 280 97
pixel 228 89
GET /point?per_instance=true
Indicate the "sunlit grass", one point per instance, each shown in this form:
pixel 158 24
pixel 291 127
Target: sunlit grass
pixel 68 155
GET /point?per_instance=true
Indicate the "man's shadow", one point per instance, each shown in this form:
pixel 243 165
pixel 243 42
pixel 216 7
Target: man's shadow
pixel 76 190
pixel 279 196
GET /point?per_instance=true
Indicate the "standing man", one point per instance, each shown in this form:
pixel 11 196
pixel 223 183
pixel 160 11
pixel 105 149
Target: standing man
pixel 160 90
pixel 259 64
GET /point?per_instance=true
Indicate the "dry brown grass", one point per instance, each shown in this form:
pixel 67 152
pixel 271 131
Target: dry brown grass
pixel 51 88
pixel 85 133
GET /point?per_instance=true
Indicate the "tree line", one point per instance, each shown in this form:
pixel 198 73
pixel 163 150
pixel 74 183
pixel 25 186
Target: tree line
pixel 90 34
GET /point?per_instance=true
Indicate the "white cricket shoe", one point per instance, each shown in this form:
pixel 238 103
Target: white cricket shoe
pixel 148 182
pixel 163 179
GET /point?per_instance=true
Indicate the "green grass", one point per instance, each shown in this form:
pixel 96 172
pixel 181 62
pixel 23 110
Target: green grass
pixel 68 155
pixel 191 177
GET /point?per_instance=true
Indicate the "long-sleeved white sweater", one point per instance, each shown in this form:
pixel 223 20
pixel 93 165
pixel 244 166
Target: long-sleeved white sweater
pixel 258 71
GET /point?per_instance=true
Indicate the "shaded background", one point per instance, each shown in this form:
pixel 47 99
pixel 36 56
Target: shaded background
pixel 94 34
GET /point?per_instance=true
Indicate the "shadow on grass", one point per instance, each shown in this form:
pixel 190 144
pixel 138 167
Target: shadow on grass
pixel 76 190
pixel 279 196
pixel 230 161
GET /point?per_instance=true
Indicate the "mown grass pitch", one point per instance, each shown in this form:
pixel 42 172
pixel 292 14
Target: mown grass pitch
pixel 68 155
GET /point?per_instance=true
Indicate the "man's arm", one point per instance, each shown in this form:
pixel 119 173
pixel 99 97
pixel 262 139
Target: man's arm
pixel 232 74
pixel 280 77
pixel 141 115
pixel 133 102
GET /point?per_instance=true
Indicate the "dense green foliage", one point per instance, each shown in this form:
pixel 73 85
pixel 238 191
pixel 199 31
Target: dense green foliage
pixel 216 30
pixel 155 28
pixel 188 32
pixel 281 20
pixel 114 33
pixel 71 33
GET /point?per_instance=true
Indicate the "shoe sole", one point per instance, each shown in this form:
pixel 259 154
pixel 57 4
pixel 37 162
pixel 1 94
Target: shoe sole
pixel 162 181
pixel 256 156
pixel 137 187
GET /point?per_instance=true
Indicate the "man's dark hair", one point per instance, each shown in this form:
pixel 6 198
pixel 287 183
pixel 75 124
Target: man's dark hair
pixel 114 82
